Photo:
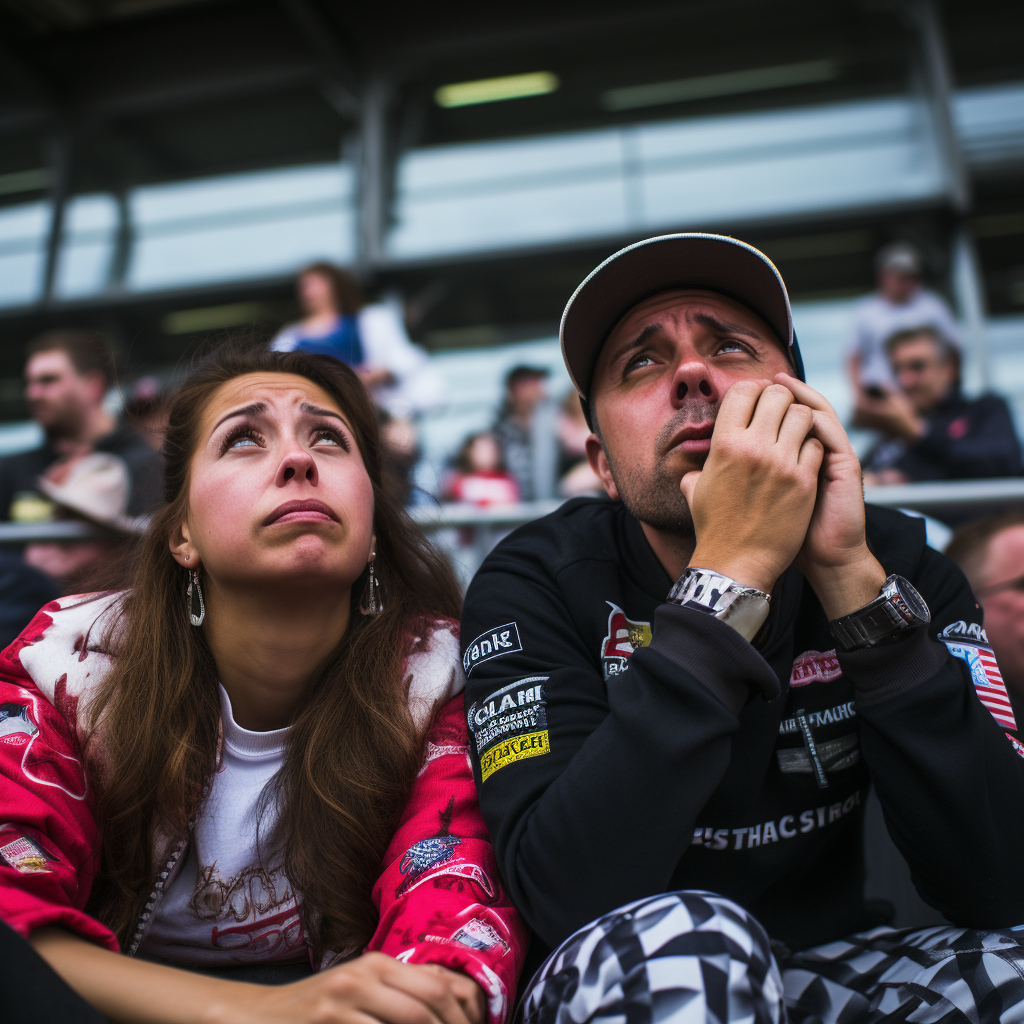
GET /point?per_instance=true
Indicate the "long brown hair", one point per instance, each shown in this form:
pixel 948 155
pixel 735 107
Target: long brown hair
pixel 352 750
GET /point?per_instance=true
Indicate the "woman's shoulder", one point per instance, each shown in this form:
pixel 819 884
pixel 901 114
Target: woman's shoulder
pixel 63 649
pixel 433 668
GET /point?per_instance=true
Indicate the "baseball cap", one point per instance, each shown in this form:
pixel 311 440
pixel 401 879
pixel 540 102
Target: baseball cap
pixel 715 263
pixel 900 257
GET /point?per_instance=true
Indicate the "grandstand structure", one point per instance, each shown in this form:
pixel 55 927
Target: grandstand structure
pixel 166 165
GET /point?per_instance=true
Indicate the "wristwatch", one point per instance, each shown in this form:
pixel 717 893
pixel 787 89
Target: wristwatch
pixel 897 608
pixel 704 590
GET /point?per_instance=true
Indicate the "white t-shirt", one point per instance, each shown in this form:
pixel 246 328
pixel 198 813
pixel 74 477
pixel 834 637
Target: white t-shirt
pixel 876 319
pixel 224 906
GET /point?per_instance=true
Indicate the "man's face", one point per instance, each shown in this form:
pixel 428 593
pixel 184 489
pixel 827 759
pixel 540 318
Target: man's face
pixel 897 285
pixel 923 371
pixel 1004 609
pixel 57 394
pixel 659 381
pixel 526 394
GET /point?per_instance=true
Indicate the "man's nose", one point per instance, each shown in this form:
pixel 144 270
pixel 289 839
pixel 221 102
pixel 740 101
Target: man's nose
pixel 693 377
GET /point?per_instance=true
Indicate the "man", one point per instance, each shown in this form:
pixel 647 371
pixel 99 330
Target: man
pixel 67 374
pixel 899 303
pixel 526 444
pixel 932 431
pixel 991 553
pixel 681 696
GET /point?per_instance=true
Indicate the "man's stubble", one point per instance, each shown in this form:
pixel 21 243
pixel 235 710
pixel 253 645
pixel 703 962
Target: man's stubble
pixel 657 499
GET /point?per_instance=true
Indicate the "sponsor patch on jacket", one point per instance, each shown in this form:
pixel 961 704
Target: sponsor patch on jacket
pixel 23 854
pixel 510 724
pixel 16 725
pixel 815 667
pixel 478 934
pixel 624 636
pixel 533 744
pixel 969 644
pixel 491 644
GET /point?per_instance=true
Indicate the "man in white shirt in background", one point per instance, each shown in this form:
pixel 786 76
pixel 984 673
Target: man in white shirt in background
pixel 898 304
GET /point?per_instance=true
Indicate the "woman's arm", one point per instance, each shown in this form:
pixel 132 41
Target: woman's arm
pixel 373 987
pixel 440 898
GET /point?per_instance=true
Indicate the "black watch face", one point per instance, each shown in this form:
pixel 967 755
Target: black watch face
pixel 913 600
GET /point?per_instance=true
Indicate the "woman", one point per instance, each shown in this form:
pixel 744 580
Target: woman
pixel 260 739
pixel 370 338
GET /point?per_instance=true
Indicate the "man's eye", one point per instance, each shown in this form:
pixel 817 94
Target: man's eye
pixel 731 346
pixel 638 362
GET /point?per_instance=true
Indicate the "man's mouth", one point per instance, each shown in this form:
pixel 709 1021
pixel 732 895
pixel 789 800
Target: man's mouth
pixel 695 439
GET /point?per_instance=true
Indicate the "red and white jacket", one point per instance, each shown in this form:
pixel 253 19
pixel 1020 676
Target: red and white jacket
pixel 439 895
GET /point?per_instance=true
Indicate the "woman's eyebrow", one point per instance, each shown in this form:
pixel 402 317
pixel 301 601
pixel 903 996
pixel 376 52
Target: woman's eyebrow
pixel 248 410
pixel 315 410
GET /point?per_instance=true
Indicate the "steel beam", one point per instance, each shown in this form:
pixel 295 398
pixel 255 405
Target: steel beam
pixel 60 179
pixel 372 178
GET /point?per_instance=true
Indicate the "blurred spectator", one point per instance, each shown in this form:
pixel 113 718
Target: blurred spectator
pixel 517 428
pixel 66 376
pixel 480 476
pixel 23 591
pixel 575 477
pixel 370 338
pixel 147 410
pixel 991 553
pixel 899 304
pixel 405 474
pixel 932 431
pixel 92 489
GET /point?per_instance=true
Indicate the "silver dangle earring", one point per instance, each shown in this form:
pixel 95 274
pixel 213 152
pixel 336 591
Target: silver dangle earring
pixel 196 605
pixel 371 602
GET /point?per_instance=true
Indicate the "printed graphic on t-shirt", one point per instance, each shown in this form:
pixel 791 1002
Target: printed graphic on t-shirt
pixel 624 636
pixel 255 911
pixel 510 725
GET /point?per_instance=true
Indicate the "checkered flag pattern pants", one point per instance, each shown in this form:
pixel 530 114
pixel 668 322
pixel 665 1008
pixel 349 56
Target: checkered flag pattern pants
pixel 697 958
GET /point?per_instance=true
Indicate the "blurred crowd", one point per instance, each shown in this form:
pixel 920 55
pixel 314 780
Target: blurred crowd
pixel 98 471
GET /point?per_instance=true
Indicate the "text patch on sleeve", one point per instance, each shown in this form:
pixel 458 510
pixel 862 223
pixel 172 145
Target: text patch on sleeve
pixel 510 725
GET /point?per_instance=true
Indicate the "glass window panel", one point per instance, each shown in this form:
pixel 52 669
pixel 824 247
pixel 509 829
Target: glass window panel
pixel 90 226
pixel 23 233
pixel 241 226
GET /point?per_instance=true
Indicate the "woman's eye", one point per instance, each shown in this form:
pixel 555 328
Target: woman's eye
pixel 329 437
pixel 246 437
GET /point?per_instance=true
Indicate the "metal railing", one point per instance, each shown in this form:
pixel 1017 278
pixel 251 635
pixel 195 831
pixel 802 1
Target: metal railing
pixel 469 532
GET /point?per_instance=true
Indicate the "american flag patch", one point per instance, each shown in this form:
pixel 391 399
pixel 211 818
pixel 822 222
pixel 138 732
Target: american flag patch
pixel 988 680
pixel 1017 745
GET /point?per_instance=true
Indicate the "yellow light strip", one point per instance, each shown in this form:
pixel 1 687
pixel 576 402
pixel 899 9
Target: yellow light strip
pixel 495 90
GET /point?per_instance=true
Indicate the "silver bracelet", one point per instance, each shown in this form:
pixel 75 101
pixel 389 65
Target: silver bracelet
pixel 743 608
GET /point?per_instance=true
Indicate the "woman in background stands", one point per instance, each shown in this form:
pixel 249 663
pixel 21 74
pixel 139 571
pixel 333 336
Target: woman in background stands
pixel 369 337
pixel 263 739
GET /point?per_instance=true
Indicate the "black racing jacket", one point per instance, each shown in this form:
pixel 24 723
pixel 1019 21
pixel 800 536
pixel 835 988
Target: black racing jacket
pixel 625 746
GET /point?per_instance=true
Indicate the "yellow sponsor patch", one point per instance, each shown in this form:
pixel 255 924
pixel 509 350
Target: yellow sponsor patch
pixel 533 744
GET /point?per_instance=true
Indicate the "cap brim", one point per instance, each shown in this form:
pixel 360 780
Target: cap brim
pixel 68 500
pixel 691 260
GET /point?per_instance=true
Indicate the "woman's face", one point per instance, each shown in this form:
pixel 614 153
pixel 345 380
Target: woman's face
pixel 278 490
pixel 315 294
